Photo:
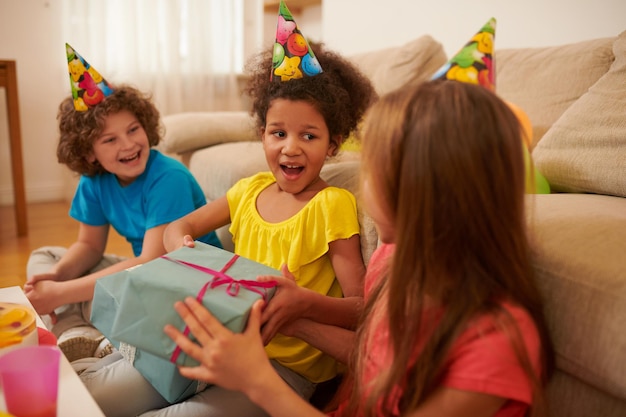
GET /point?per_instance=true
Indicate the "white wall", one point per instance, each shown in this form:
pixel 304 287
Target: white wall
pixel 351 26
pixel 31 33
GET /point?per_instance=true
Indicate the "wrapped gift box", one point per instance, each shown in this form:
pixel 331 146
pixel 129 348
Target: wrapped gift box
pixel 131 307
pixel 161 373
pixel 225 284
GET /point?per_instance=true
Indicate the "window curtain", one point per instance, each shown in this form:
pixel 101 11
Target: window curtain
pixel 187 53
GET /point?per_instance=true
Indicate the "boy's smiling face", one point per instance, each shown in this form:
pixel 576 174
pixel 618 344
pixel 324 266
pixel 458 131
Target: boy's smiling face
pixel 296 143
pixel 122 148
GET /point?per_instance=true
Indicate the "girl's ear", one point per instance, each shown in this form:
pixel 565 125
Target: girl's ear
pixel 262 133
pixel 334 144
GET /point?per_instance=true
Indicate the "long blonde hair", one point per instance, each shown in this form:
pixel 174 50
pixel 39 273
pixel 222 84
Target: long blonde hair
pixel 446 159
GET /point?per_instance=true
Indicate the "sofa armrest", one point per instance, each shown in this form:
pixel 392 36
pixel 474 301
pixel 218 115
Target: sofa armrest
pixel 187 132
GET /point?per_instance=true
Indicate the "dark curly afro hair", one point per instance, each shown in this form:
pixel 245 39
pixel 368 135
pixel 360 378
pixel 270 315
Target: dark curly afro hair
pixel 78 130
pixel 341 93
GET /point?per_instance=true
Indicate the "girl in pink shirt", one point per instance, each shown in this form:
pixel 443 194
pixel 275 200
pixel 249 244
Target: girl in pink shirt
pixel 453 322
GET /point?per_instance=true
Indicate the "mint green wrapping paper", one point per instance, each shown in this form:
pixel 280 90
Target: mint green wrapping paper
pixel 161 373
pixel 134 305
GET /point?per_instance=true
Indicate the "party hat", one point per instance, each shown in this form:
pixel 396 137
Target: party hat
pixel 293 57
pixel 474 63
pixel 89 88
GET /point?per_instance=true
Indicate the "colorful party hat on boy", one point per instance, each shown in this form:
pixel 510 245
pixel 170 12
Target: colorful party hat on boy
pixel 293 58
pixel 474 63
pixel 89 88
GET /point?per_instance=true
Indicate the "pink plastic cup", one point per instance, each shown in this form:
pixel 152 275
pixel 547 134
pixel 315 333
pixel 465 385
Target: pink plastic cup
pixel 30 381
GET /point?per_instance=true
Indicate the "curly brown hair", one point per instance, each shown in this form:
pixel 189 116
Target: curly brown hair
pixel 341 93
pixel 79 129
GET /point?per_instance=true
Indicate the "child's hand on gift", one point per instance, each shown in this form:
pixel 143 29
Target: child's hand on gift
pixel 289 303
pixel 235 361
pixel 188 241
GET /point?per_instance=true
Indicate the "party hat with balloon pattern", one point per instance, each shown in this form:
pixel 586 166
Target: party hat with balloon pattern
pixel 89 88
pixel 292 57
pixel 474 63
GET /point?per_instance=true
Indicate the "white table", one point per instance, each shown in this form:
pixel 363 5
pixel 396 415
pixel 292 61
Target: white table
pixel 74 399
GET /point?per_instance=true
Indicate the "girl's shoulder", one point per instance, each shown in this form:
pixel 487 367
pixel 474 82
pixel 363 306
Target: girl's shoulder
pixel 248 188
pixel 490 355
pixel 337 192
pixel 333 209
pixel 333 204
pixel 334 196
pixel 263 178
pixel 506 329
pixel 506 316
pixel 253 184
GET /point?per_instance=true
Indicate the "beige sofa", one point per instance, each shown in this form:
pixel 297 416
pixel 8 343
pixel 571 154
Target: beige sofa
pixel 575 96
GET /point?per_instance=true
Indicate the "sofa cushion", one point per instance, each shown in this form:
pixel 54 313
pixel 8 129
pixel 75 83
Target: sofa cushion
pixel 186 132
pixel 219 167
pixel 395 67
pixel 571 397
pixel 585 150
pixel 345 174
pixel 545 81
pixel 578 243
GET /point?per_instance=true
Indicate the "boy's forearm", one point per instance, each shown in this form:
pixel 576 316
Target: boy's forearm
pixel 78 259
pixel 77 290
pixel 82 289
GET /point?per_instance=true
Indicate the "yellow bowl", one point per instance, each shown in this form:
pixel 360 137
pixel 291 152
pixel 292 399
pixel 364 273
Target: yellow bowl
pixel 18 326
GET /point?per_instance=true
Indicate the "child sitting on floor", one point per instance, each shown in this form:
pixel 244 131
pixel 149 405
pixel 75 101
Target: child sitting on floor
pixel 106 135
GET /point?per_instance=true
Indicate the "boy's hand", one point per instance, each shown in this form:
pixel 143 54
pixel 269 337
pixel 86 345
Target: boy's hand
pixel 42 277
pixel 44 295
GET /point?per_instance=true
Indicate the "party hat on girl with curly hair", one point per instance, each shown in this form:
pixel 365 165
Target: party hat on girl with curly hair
pixel 474 63
pixel 293 57
pixel 89 88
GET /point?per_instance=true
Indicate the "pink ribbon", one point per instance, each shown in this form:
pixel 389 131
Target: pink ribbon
pixel 220 278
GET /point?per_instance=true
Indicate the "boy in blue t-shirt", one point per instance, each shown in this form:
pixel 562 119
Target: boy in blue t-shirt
pixel 106 135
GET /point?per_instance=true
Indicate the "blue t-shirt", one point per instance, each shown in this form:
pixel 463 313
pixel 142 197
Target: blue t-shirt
pixel 164 192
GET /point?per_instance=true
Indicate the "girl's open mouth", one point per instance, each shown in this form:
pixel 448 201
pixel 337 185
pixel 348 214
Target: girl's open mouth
pixel 291 169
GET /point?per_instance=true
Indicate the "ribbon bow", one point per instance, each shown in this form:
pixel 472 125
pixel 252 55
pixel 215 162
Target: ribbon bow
pixel 220 278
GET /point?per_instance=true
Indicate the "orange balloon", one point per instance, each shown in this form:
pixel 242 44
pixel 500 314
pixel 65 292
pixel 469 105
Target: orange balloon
pixel 527 127
pixel 536 183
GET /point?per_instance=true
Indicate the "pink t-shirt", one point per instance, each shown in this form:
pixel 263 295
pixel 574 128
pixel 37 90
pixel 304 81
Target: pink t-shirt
pixel 481 360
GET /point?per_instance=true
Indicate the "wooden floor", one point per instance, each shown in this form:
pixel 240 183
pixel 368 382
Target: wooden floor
pixel 48 225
